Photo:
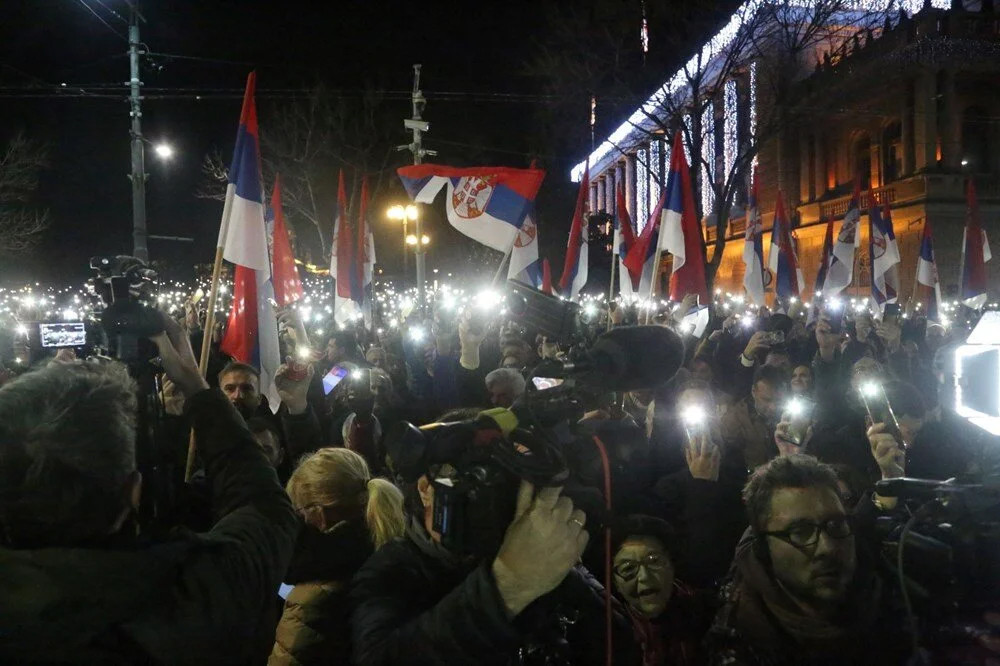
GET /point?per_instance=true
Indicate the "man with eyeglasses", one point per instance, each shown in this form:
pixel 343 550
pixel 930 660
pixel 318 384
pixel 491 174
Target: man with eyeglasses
pixel 803 591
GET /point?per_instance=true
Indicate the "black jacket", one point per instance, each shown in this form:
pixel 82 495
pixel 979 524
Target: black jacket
pixel 416 603
pixel 200 598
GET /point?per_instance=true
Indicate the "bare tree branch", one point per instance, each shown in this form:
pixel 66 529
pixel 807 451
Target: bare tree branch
pixel 21 223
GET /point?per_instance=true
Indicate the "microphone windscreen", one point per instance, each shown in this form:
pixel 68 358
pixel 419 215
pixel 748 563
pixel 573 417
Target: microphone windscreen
pixel 632 358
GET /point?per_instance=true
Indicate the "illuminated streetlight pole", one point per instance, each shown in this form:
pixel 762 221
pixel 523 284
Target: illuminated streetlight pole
pixel 405 214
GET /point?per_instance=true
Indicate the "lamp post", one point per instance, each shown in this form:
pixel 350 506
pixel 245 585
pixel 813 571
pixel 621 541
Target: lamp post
pixel 404 214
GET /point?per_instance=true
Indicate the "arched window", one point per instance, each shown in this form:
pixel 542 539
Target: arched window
pixel 892 153
pixel 975 140
pixel 863 160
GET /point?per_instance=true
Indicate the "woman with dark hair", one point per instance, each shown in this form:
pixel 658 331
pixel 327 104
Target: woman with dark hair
pixel 668 618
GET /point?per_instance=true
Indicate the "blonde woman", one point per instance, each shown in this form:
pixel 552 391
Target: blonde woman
pixel 347 515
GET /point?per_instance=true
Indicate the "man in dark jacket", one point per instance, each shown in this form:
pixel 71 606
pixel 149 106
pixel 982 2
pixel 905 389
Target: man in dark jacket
pixel 803 591
pixel 76 583
pixel 416 602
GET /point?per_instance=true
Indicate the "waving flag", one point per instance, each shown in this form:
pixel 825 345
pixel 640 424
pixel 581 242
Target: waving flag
pixel 574 274
pixel 524 263
pixel 975 253
pixel 287 286
pixel 487 204
pixel 928 286
pixel 753 249
pixel 884 253
pixel 680 232
pixel 344 268
pixel 252 331
pixel 624 239
pixel 781 257
pixel 365 256
pixel 642 255
pixel 841 270
pixel 824 260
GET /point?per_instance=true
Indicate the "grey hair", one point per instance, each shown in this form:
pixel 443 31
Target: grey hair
pixel 67 449
pixel 509 376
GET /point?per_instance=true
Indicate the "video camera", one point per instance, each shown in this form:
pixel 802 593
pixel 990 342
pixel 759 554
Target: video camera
pixel 126 288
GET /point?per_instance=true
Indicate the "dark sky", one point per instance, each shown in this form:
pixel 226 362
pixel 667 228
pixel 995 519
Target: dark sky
pixel 346 45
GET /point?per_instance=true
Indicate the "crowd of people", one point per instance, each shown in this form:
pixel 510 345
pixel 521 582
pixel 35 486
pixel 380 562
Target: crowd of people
pixel 742 487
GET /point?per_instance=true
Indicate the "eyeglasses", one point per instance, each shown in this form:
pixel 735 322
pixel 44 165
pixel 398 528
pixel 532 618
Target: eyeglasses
pixel 629 569
pixel 805 534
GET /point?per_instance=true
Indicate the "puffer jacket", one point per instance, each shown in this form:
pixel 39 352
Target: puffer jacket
pixel 314 627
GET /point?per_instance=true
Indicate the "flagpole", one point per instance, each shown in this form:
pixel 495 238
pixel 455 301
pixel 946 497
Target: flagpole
pixel 653 280
pixel 503 262
pixel 961 265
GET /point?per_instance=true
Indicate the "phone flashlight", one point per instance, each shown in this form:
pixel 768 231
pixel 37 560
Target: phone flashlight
pixel 304 353
pixel 869 389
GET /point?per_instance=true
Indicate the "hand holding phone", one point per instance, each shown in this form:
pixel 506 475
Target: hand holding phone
pixel 879 411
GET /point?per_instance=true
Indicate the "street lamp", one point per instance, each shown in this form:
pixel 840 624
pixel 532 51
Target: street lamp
pixel 164 151
pixel 412 239
pixel 404 214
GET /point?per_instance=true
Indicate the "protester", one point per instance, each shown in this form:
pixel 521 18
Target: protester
pixel 804 591
pixel 505 385
pixel 347 515
pixel 748 426
pixel 668 618
pixel 80 585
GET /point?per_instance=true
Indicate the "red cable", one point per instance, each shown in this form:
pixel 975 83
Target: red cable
pixel 609 653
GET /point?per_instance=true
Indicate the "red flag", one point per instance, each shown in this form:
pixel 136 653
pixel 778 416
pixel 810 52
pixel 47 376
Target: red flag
pixel 361 248
pixel 287 287
pixel 240 340
pixel 688 273
pixel 974 253
pixel 344 245
pixel 574 274
pixel 546 277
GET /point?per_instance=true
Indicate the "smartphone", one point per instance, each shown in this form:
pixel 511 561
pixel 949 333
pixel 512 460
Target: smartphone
pixel 334 377
pixel 69 334
pixel 891 312
pixel 835 320
pixel 798 414
pixel 774 337
pixel 879 410
pixel 198 295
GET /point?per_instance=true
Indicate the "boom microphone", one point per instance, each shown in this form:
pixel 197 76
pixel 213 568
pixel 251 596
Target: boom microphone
pixel 629 358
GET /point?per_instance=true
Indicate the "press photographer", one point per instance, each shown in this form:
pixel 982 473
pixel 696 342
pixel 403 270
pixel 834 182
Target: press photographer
pixel 79 584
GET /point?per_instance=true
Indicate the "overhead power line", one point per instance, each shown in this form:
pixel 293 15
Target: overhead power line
pixel 101 19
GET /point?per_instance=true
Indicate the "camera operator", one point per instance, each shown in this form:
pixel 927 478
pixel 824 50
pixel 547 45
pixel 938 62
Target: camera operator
pixel 416 602
pixel 804 588
pixel 79 584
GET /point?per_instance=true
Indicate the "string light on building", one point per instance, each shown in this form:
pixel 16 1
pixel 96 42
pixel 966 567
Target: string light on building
pixel 708 158
pixel 731 126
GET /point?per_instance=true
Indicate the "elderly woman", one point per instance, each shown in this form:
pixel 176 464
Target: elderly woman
pixel 346 515
pixel 668 618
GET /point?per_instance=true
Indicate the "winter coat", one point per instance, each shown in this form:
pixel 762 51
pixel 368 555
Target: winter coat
pixel 746 433
pixel 414 602
pixel 314 627
pixel 198 598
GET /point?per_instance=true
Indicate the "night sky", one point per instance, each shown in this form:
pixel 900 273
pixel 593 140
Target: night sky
pixel 470 48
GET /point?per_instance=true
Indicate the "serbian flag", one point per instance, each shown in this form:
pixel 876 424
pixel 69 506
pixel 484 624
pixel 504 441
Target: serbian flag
pixel 642 255
pixel 753 249
pixel 365 264
pixel 287 286
pixel 824 260
pixel 781 257
pixel 975 253
pixel 487 204
pixel 624 239
pixel 574 274
pixel 884 253
pixel 928 286
pixel 344 268
pixel 680 232
pixel 524 263
pixel 841 270
pixel 252 331
pixel 546 277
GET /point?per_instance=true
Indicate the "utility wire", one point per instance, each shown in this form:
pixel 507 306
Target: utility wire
pixel 101 19
pixel 112 11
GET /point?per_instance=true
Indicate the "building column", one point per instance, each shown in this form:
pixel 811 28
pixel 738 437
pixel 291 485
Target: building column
pixel 875 159
pixel 629 166
pixel 609 190
pixel 951 124
pixel 906 130
pixel 819 155
pixel 806 190
pixel 597 195
pixel 925 121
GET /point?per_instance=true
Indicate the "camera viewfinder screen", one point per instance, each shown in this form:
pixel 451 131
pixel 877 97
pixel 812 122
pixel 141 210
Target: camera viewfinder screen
pixel 72 334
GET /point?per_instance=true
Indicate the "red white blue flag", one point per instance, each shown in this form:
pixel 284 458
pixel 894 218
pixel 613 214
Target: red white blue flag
pixel 975 253
pixel 824 260
pixel 252 331
pixel 487 204
pixel 782 259
pixel 287 286
pixel 680 232
pixel 574 275
pixel 753 249
pixel 841 271
pixel 348 295
pixel 624 239
pixel 884 253
pixel 525 265
pixel 928 285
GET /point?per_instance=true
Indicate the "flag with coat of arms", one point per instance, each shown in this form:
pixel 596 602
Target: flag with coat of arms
pixel 928 289
pixel 782 259
pixel 841 271
pixel 753 249
pixel 884 254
